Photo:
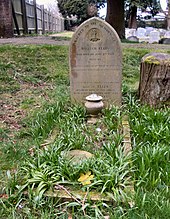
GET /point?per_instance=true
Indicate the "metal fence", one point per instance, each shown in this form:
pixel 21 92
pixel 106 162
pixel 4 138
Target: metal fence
pixel 28 17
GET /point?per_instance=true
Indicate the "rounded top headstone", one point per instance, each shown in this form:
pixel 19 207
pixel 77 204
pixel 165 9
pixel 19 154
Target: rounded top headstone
pixel 96 62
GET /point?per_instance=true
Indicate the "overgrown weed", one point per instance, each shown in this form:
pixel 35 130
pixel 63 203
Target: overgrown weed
pixel 53 126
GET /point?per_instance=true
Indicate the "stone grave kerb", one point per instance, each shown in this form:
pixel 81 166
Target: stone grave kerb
pixel 95 61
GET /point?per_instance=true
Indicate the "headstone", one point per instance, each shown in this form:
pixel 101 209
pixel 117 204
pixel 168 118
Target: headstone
pixel 148 30
pixel 164 41
pixel 162 32
pixel 154 36
pixel 96 62
pixel 140 33
pixel 127 32
pixel 167 34
pixel 133 39
pixel 130 32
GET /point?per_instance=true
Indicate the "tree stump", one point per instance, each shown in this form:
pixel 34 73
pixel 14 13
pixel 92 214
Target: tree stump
pixel 154 86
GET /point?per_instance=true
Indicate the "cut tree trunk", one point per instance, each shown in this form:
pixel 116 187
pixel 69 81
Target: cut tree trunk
pixel 154 86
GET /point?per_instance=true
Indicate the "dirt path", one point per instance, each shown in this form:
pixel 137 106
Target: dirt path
pixel 51 40
pixel 33 40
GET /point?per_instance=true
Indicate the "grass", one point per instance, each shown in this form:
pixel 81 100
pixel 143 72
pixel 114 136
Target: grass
pixel 63 36
pixel 68 34
pixel 39 125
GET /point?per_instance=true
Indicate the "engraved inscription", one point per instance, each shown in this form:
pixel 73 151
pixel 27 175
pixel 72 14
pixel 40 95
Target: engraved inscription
pixel 94 35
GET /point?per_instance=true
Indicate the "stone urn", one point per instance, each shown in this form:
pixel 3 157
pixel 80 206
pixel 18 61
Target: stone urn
pixel 94 104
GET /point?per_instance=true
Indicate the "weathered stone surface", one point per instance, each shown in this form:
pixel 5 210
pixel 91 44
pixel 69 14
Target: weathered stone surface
pixel 133 39
pixel 78 156
pixel 164 41
pixel 126 136
pixel 96 62
pixel 154 36
pixel 140 33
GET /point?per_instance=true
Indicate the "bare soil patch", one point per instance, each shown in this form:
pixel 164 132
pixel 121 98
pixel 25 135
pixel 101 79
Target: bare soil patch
pixel 16 106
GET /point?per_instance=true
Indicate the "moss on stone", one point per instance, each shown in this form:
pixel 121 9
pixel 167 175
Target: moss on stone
pixel 152 60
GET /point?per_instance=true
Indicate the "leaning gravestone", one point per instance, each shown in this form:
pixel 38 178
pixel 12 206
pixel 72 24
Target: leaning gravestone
pixel 96 62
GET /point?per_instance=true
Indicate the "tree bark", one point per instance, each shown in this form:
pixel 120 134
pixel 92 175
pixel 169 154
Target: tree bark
pixel 115 16
pixel 154 86
pixel 132 20
pixel 6 23
pixel 168 17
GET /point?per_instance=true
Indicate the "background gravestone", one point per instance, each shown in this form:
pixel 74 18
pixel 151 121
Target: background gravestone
pixel 167 34
pixel 140 33
pixel 133 39
pixel 148 30
pixel 96 62
pixel 154 36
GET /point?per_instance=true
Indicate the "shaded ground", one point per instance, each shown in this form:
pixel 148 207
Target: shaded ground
pixel 59 39
pixel 14 108
pixel 33 40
